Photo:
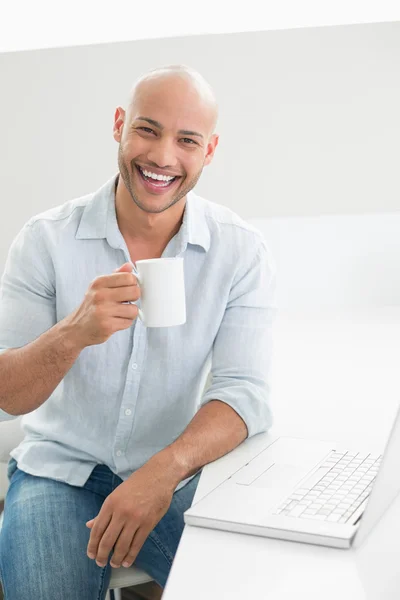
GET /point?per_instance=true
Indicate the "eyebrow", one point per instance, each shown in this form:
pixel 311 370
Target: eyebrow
pixel 157 124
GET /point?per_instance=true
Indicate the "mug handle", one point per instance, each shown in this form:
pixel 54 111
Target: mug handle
pixel 136 274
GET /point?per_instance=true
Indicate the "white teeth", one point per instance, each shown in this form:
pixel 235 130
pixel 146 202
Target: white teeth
pixel 154 176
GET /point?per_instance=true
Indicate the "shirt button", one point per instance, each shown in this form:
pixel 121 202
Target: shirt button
pixel 134 366
pixel 119 453
pixel 128 411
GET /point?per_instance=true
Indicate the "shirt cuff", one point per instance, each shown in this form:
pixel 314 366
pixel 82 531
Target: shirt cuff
pixel 253 407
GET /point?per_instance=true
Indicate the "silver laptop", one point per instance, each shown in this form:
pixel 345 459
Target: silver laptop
pixel 305 491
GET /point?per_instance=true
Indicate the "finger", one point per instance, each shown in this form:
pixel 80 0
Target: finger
pixel 127 267
pixel 101 523
pixel 121 279
pixel 129 293
pixel 115 280
pixel 127 310
pixel 90 523
pixel 122 545
pixel 108 540
pixel 141 536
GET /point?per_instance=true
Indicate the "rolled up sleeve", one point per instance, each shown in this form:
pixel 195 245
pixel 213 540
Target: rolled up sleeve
pixel 27 294
pixel 242 350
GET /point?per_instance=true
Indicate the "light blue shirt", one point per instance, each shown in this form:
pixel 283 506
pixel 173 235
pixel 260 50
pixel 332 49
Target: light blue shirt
pixel 126 399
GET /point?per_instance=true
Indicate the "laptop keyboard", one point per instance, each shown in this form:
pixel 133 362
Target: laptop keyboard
pixel 338 487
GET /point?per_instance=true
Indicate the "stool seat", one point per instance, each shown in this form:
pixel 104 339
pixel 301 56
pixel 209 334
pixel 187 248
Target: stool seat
pixel 122 577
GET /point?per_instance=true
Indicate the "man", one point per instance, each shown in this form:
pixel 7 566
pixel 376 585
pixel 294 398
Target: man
pixel 118 421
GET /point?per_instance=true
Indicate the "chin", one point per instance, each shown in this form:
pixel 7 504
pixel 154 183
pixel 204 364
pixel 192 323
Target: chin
pixel 154 205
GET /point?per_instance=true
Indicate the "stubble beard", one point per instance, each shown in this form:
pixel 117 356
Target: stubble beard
pixel 127 179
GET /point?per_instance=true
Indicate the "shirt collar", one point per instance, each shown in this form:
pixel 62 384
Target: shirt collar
pixel 99 219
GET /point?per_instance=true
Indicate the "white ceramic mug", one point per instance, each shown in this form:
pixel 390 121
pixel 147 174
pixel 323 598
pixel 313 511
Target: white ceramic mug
pixel 162 291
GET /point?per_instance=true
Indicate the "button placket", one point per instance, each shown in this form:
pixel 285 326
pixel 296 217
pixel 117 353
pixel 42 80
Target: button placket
pixel 131 391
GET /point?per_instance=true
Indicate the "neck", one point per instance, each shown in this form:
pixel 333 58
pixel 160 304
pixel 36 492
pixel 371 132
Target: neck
pixel 148 228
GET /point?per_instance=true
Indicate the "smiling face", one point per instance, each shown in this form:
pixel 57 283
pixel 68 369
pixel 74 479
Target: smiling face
pixel 167 131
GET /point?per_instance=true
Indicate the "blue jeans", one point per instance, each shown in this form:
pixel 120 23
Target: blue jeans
pixel 44 538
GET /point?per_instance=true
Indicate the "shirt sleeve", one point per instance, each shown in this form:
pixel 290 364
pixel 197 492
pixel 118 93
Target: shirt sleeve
pixel 27 293
pixel 242 349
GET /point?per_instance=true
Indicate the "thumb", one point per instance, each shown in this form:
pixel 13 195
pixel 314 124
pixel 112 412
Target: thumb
pixel 125 268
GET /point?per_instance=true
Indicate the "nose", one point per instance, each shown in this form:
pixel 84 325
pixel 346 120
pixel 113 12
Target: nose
pixel 162 153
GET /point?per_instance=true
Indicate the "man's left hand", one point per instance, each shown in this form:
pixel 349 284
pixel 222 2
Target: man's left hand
pixel 129 514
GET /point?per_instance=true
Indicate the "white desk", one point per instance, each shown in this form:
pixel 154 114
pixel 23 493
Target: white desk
pixel 334 378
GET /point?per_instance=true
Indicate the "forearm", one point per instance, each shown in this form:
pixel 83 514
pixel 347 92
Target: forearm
pixel 215 430
pixel 30 374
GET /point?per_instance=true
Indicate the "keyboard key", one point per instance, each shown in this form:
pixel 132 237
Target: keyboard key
pixel 334 518
pixel 295 512
pixel 315 478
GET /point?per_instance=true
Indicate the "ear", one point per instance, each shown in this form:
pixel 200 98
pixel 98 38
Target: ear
pixel 211 146
pixel 119 119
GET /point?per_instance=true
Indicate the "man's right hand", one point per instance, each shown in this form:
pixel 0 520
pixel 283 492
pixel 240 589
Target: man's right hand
pixel 102 313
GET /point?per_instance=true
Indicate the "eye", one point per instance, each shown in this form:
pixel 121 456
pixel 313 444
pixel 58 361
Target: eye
pixel 146 128
pixel 189 140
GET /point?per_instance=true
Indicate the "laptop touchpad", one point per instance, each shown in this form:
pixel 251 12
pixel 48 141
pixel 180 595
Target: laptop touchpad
pixel 271 475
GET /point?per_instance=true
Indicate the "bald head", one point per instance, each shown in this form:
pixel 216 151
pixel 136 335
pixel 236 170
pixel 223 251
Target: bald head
pixel 187 84
pixel 167 129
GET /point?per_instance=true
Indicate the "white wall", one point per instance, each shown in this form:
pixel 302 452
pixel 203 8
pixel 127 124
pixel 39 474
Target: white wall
pixel 335 263
pixel 309 120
